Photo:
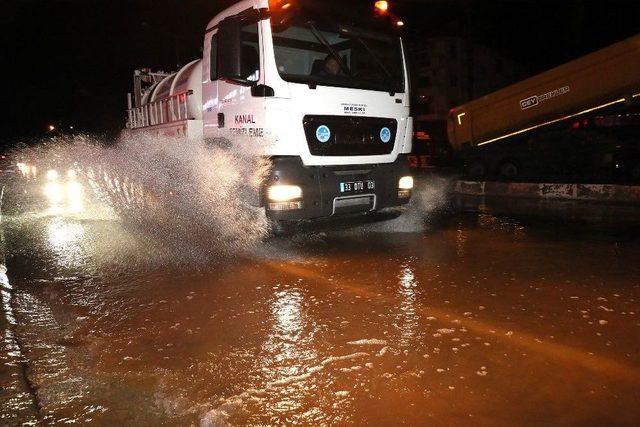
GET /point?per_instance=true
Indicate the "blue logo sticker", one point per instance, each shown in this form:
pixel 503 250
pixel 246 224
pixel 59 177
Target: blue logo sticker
pixel 323 133
pixel 385 134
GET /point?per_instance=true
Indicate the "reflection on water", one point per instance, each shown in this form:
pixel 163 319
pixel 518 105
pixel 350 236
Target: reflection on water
pixel 284 345
pixel 287 329
pixel 408 317
pixel 289 342
pixel 16 400
pixel 283 376
pixel 334 342
pixel 64 236
pixel 67 241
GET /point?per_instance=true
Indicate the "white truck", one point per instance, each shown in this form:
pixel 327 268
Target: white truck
pixel 324 95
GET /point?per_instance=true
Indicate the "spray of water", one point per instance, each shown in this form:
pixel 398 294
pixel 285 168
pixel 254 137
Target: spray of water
pixel 189 201
pixel 195 200
pixel 429 197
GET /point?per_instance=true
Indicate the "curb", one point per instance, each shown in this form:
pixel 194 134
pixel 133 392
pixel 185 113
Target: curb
pixel 586 192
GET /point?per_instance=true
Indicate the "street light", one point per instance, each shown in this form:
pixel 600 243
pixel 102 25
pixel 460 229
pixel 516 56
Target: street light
pixel 52 128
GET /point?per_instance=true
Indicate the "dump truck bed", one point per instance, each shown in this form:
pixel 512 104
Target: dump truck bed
pixel 600 79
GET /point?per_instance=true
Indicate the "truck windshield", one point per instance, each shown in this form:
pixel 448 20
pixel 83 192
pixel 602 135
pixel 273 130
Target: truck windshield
pixel 316 52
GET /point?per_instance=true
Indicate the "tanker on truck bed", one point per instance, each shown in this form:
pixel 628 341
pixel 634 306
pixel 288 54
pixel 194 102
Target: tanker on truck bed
pixel 583 115
pixel 337 138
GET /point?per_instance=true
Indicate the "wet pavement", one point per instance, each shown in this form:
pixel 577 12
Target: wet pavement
pixel 483 313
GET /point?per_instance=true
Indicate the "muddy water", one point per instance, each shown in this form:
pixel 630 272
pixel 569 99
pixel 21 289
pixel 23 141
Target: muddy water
pixel 480 317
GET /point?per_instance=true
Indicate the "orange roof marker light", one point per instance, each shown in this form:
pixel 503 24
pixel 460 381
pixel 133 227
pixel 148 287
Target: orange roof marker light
pixel 281 11
pixel 279 5
pixel 381 7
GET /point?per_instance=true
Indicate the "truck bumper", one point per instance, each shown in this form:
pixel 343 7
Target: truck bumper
pixel 321 185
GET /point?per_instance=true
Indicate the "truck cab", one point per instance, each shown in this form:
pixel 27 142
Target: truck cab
pixel 323 95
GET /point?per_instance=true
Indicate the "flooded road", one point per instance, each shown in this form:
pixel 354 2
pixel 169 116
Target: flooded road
pixel 489 313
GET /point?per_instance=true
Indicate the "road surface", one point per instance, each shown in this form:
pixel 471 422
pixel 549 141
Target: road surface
pixel 484 313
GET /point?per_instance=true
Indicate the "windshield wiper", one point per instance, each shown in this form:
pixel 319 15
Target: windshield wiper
pixel 380 64
pixel 326 44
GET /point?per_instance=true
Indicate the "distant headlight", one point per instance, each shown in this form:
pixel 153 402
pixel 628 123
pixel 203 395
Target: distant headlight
pixel 52 175
pixel 284 193
pixel 53 191
pixel 405 183
pixel 74 191
pixel 22 168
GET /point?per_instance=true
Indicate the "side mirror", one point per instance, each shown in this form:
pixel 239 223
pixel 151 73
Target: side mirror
pixel 230 66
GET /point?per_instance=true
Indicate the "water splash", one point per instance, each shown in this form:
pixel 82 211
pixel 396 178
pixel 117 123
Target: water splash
pixel 430 195
pixel 187 200
pixel 194 199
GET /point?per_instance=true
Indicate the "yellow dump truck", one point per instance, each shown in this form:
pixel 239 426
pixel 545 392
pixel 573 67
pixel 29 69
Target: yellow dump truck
pixel 500 132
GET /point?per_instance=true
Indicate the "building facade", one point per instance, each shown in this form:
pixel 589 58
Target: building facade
pixel 449 71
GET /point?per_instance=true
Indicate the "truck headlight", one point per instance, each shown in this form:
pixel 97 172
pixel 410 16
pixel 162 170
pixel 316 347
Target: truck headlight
pixel 405 183
pixel 283 197
pixel 284 193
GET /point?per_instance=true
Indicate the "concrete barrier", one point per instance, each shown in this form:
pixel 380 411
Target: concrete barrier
pixel 588 192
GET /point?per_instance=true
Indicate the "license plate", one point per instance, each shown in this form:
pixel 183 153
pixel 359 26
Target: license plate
pixel 357 186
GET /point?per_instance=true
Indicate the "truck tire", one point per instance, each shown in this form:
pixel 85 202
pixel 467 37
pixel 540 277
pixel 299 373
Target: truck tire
pixel 279 228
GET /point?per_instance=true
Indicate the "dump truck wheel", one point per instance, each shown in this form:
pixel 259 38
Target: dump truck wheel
pixel 476 169
pixel 509 170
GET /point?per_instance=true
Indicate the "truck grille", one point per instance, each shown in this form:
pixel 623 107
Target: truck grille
pixel 349 136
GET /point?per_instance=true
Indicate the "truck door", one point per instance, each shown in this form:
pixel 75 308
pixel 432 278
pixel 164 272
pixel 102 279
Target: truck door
pixel 210 86
pixel 240 114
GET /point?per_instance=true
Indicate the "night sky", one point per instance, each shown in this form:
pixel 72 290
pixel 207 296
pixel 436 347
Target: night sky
pixel 70 62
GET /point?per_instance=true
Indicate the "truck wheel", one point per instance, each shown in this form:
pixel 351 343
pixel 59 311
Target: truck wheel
pixel 476 169
pixel 509 170
pixel 280 228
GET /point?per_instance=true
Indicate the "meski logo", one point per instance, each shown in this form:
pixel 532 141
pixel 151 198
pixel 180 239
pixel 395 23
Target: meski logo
pixel 385 134
pixel 323 133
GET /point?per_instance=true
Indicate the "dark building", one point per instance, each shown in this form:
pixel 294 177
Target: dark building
pixel 449 71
